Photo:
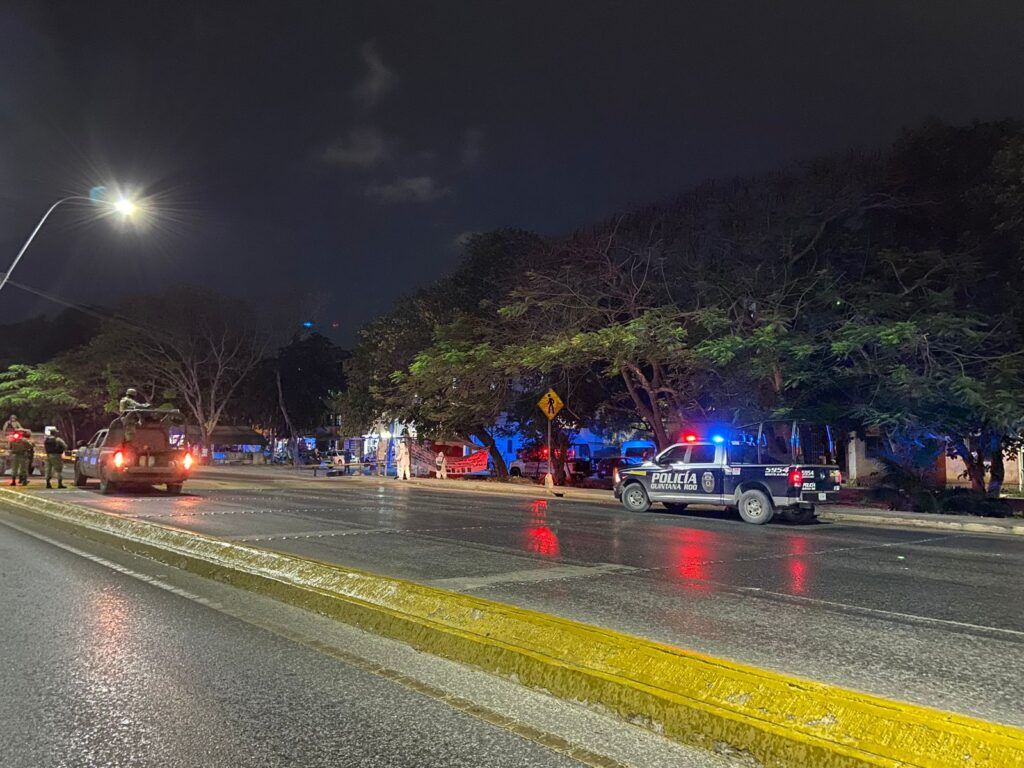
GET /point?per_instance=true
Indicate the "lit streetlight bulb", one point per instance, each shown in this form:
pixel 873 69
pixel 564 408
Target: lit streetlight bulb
pixel 124 207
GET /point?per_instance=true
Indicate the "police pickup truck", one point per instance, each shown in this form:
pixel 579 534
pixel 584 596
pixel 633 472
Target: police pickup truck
pixel 731 474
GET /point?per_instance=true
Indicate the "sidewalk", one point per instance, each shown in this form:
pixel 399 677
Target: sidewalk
pixel 839 513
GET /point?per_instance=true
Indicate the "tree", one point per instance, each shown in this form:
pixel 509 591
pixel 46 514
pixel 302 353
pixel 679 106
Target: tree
pixel 195 343
pixel 292 391
pixel 454 388
pixel 40 394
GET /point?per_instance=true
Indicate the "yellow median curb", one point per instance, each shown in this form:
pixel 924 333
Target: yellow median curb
pixel 709 702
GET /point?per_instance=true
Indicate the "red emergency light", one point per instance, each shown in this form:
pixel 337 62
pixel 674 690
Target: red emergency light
pixel 690 437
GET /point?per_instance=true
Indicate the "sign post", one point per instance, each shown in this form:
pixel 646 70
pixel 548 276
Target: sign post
pixel 550 404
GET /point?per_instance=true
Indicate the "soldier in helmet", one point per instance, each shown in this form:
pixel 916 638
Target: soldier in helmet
pixel 11 424
pixel 55 448
pixel 21 457
pixel 129 402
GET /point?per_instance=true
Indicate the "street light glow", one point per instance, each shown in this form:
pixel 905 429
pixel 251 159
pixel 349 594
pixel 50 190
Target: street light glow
pixel 124 206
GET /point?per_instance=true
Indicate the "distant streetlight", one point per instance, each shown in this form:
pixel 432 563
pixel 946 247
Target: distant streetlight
pixel 122 205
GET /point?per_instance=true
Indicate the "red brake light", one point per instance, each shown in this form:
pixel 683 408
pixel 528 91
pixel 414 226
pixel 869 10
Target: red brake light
pixel 119 459
pixel 187 461
pixel 839 477
pixel 796 478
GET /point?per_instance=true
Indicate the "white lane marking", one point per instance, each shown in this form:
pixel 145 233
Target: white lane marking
pixel 321 534
pixel 112 565
pixel 881 612
pixel 554 573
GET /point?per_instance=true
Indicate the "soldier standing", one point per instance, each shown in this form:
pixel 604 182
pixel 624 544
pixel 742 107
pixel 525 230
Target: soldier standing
pixel 21 457
pixel 11 424
pixel 55 447
pixel 129 403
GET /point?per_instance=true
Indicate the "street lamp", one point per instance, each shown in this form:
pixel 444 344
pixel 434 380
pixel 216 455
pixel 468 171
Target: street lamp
pixel 122 205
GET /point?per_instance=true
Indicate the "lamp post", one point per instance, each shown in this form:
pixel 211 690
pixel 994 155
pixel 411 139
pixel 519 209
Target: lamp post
pixel 122 205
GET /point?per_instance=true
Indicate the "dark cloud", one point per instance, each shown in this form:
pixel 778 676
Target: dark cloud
pixel 409 189
pixel 359 146
pixel 278 142
pixel 378 81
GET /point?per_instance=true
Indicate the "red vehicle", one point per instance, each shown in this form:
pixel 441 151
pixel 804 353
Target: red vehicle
pixel 139 448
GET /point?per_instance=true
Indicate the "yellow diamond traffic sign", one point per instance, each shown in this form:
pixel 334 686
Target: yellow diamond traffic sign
pixel 550 404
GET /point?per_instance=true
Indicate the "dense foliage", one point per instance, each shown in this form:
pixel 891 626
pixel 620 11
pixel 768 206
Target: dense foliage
pixel 869 290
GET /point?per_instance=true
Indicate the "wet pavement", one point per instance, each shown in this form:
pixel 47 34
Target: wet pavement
pixel 125 662
pixel 930 617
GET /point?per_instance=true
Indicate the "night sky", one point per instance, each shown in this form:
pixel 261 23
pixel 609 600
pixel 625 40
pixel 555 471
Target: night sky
pixel 342 149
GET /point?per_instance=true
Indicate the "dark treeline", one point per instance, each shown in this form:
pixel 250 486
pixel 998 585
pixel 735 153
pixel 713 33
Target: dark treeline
pixel 219 360
pixel 868 290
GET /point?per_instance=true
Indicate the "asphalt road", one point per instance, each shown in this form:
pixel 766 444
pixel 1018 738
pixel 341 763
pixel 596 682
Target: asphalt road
pixel 111 660
pixel 930 617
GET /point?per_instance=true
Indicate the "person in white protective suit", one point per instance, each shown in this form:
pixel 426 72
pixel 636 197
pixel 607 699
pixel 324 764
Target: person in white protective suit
pixel 403 459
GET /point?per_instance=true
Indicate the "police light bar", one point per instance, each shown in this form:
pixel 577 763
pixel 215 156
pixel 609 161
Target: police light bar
pixel 690 437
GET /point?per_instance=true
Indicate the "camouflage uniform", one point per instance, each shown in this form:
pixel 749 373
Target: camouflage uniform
pixel 21 458
pixel 55 448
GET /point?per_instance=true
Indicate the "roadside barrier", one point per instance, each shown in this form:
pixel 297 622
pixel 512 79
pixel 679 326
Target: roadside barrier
pixel 778 720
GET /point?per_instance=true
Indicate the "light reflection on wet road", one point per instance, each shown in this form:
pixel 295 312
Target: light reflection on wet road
pixel 926 616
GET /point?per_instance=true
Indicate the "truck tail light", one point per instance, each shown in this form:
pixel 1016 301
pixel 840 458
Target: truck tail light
pixel 119 459
pixel 187 461
pixel 796 478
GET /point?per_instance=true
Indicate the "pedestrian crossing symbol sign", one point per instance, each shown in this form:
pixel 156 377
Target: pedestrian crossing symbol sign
pixel 550 404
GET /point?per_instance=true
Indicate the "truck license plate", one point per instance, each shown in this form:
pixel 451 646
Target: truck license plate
pixel 821 497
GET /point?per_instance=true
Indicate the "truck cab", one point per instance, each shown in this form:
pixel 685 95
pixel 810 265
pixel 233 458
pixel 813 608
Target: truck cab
pixel 739 472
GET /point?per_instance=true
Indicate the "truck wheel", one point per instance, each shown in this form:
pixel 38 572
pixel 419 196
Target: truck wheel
pixel 515 472
pixel 174 488
pixel 635 499
pixel 755 507
pixel 106 486
pixel 80 479
pixel 799 515
pixel 674 506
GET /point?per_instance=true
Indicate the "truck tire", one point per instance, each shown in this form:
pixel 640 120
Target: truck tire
pixel 515 472
pixel 800 515
pixel 674 506
pixel 106 486
pixel 635 498
pixel 755 507
pixel 80 479
pixel 174 489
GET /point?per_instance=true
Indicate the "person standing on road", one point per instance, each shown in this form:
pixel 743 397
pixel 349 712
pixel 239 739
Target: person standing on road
pixel 382 457
pixel 441 462
pixel 21 458
pixel 403 459
pixel 55 448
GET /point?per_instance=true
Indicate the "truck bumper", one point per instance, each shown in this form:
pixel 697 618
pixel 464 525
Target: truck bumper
pixel 148 475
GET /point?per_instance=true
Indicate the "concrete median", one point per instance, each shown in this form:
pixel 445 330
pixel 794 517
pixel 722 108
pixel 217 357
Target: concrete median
pixel 779 720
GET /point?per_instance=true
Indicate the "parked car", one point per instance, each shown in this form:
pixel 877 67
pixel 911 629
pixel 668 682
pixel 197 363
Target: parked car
pixel 533 461
pixel 142 447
